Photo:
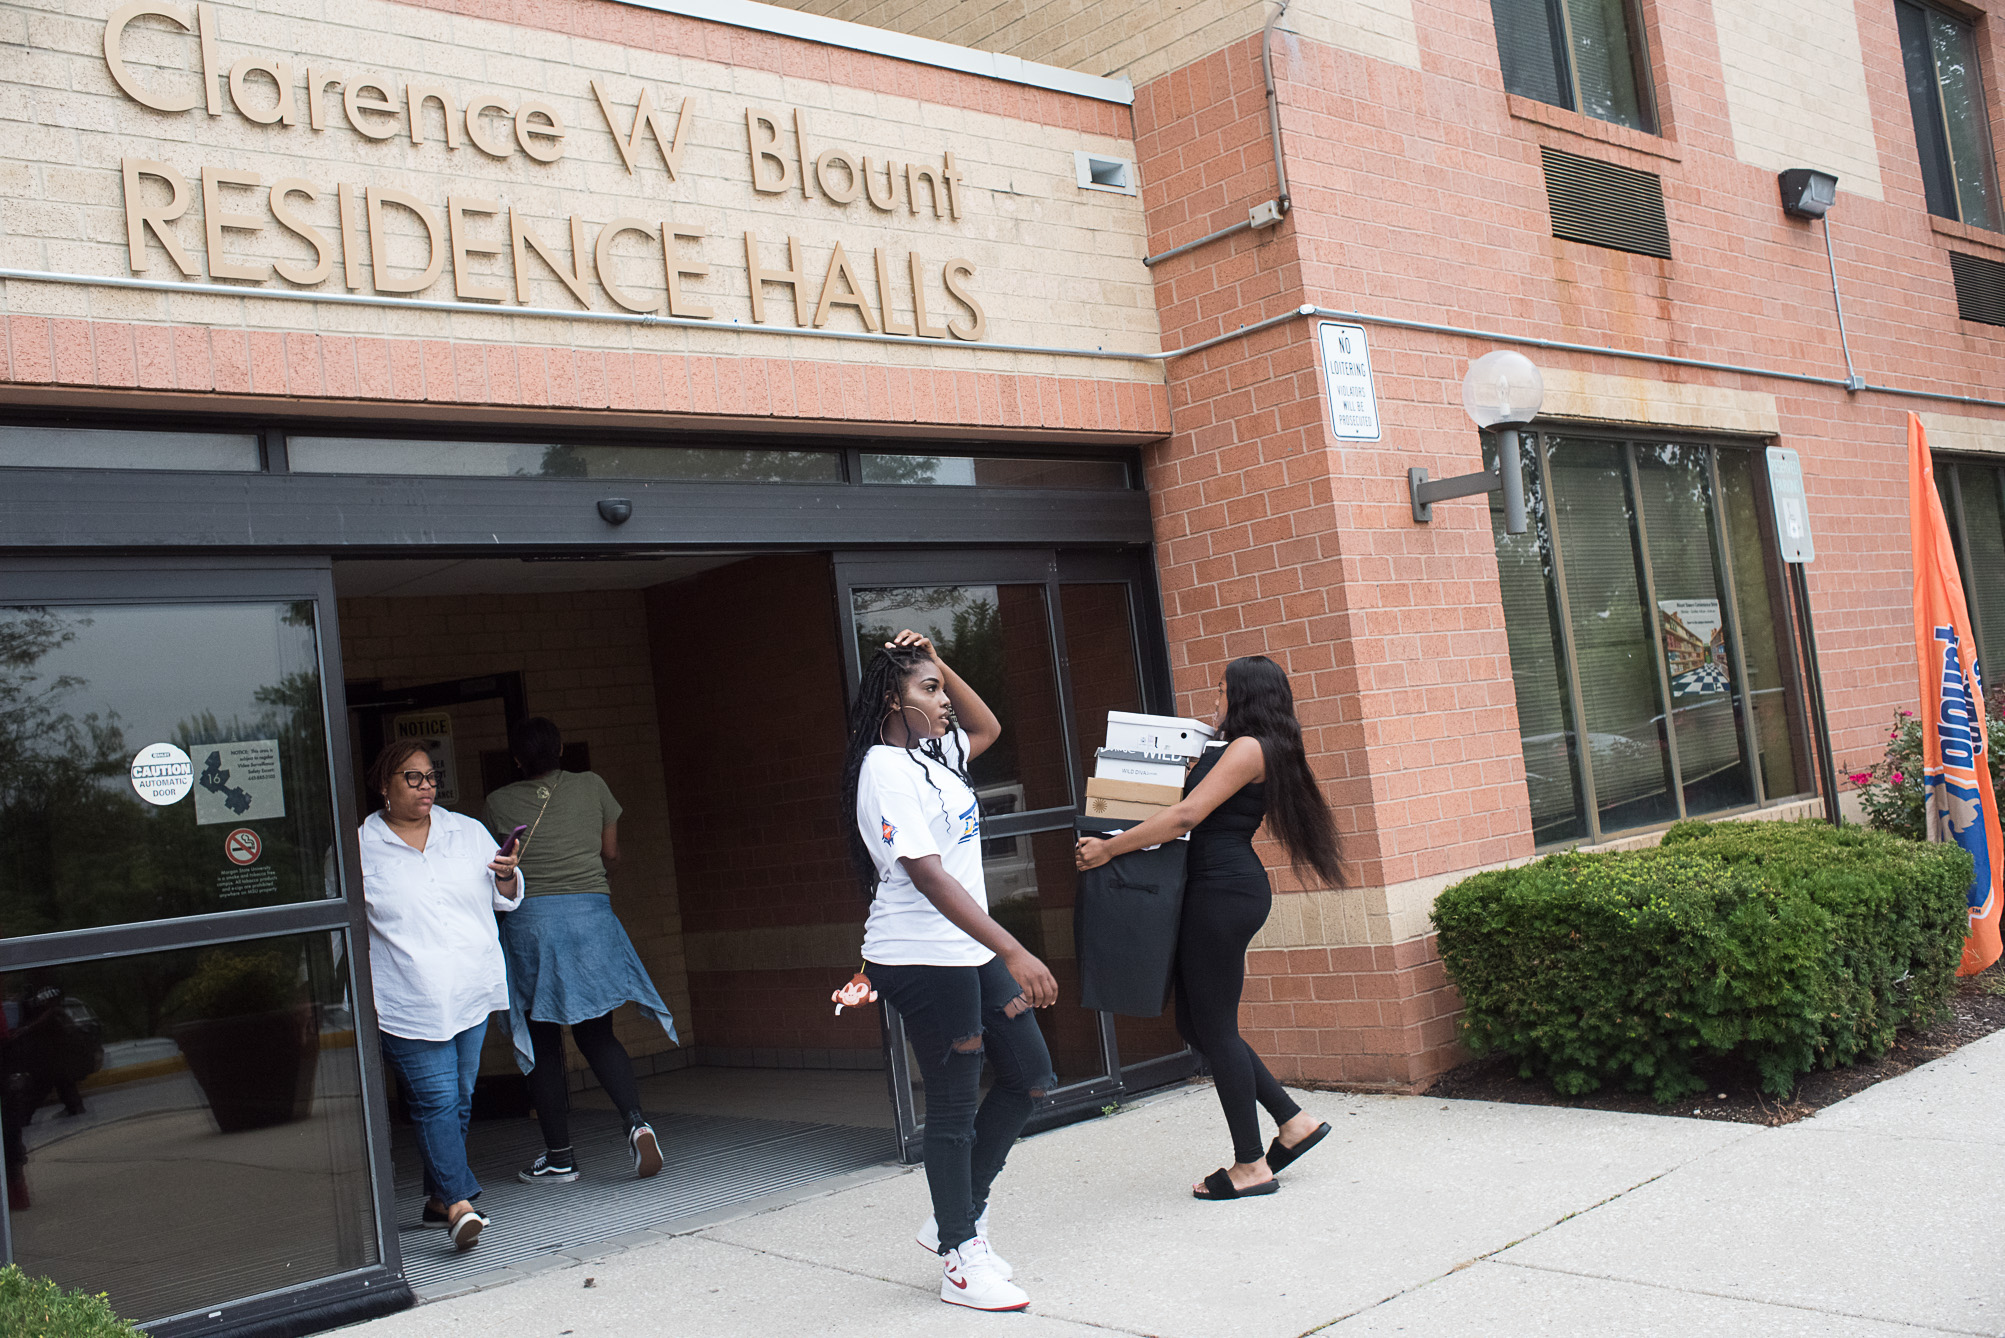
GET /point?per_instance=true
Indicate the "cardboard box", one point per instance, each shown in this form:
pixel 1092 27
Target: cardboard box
pixel 1110 764
pixel 1096 807
pixel 1128 732
pixel 1133 792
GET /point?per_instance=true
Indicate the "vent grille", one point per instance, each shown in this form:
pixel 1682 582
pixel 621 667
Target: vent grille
pixel 1605 205
pixel 1980 288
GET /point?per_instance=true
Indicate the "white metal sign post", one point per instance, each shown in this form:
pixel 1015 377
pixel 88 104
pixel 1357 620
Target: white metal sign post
pixel 1793 541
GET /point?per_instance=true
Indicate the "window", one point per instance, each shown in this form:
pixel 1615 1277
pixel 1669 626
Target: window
pixel 32 447
pixel 1644 610
pixel 1952 122
pixel 1584 55
pixel 1973 496
pixel 973 471
pixel 516 459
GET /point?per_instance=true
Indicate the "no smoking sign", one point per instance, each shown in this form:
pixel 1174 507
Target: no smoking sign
pixel 243 846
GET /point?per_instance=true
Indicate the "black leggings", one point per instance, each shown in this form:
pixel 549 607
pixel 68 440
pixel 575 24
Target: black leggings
pixel 552 1094
pixel 1220 918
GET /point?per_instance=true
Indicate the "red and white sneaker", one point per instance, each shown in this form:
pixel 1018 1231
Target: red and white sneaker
pixel 929 1240
pixel 969 1277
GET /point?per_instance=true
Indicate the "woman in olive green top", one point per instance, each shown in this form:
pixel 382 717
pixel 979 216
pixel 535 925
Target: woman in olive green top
pixel 570 962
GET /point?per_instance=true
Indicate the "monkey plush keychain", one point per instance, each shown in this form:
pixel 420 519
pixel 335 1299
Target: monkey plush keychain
pixel 857 992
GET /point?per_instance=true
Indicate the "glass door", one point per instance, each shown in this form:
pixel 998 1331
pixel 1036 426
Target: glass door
pixel 189 1121
pixel 1052 642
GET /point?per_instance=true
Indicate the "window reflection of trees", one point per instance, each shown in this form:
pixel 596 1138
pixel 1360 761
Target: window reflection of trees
pixel 78 849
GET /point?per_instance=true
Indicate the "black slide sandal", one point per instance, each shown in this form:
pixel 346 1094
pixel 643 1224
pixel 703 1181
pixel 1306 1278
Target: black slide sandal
pixel 1279 1158
pixel 1219 1187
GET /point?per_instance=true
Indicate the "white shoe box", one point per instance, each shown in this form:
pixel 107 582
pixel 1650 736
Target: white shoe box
pixel 1128 732
pixel 1144 768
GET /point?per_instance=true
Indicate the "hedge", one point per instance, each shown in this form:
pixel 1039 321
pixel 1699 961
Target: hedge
pixel 39 1308
pixel 1787 946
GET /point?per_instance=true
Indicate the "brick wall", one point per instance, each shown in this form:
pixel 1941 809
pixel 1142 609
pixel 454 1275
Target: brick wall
pixel 585 664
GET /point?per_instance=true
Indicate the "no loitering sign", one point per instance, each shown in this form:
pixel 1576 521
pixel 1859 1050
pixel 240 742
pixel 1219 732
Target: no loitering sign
pixel 1346 356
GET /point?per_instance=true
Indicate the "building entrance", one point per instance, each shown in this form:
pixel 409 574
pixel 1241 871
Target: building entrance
pixel 189 694
pixel 709 692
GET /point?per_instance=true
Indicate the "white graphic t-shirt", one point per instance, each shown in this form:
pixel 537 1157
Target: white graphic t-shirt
pixel 909 806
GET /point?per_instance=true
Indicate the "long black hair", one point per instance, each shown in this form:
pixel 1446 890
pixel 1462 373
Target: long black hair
pixel 877 695
pixel 1260 705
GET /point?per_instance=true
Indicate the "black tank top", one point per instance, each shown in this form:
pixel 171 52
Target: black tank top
pixel 1222 845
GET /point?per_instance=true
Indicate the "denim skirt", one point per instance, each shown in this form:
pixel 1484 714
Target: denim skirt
pixel 570 960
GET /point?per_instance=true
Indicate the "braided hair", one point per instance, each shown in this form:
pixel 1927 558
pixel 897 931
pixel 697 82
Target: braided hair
pixel 878 694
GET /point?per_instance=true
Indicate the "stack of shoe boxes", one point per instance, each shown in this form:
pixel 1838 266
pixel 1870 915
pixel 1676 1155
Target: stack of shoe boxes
pixel 1141 770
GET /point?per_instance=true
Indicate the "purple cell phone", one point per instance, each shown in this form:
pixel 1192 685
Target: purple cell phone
pixel 514 839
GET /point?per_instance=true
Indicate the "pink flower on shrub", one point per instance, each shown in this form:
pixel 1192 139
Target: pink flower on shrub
pixel 1897 778
pixel 1861 777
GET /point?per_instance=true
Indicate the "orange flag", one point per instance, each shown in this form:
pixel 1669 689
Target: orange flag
pixel 1958 803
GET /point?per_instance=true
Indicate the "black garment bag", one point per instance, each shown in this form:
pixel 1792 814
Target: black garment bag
pixel 1124 924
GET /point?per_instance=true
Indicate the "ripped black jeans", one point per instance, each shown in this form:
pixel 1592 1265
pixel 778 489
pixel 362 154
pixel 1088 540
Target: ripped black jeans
pixel 954 1015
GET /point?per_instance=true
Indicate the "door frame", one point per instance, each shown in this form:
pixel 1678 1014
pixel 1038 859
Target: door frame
pixel 185 580
pixel 1053 569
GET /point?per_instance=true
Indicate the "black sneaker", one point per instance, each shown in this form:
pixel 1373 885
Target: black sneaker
pixel 544 1171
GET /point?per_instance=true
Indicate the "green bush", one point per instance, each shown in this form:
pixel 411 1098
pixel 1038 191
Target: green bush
pixel 1783 945
pixel 38 1308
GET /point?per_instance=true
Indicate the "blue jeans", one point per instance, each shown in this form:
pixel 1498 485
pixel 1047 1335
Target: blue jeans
pixel 437 1078
pixel 954 1016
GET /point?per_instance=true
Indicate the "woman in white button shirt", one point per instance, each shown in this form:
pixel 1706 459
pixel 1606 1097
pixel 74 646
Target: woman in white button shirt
pixel 432 880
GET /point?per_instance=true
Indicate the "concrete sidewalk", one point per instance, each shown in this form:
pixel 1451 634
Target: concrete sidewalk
pixel 1419 1217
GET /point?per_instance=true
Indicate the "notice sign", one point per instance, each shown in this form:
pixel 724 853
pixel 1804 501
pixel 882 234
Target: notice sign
pixel 433 729
pixel 1695 646
pixel 238 782
pixel 162 774
pixel 1792 508
pixel 1347 381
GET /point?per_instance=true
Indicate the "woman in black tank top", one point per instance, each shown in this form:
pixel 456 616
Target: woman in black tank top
pixel 1255 772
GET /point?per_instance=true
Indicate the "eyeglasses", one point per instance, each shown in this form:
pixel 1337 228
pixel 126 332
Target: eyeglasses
pixel 419 780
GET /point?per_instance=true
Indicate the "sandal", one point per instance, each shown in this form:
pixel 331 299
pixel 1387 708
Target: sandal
pixel 1219 1186
pixel 1279 1158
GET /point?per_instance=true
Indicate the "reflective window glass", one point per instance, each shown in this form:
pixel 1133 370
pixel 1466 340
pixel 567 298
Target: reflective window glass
pixel 1945 86
pixel 966 471
pixel 1983 554
pixel 160 760
pixel 516 459
pixel 1531 625
pixel 1693 618
pixel 997 638
pixel 187 1126
pixel 1100 649
pixel 1616 660
pixel 1760 596
pixel 1583 55
pixel 1614 527
pixel 116 448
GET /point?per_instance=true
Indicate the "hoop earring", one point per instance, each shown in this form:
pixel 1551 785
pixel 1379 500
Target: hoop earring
pixel 901 708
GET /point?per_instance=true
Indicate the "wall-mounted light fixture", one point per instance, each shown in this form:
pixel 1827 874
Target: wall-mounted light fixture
pixel 1501 389
pixel 1807 192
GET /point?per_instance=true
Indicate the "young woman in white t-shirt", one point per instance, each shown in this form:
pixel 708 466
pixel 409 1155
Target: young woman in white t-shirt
pixel 961 982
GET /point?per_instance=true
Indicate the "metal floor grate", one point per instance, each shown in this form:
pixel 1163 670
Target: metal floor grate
pixel 713 1162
